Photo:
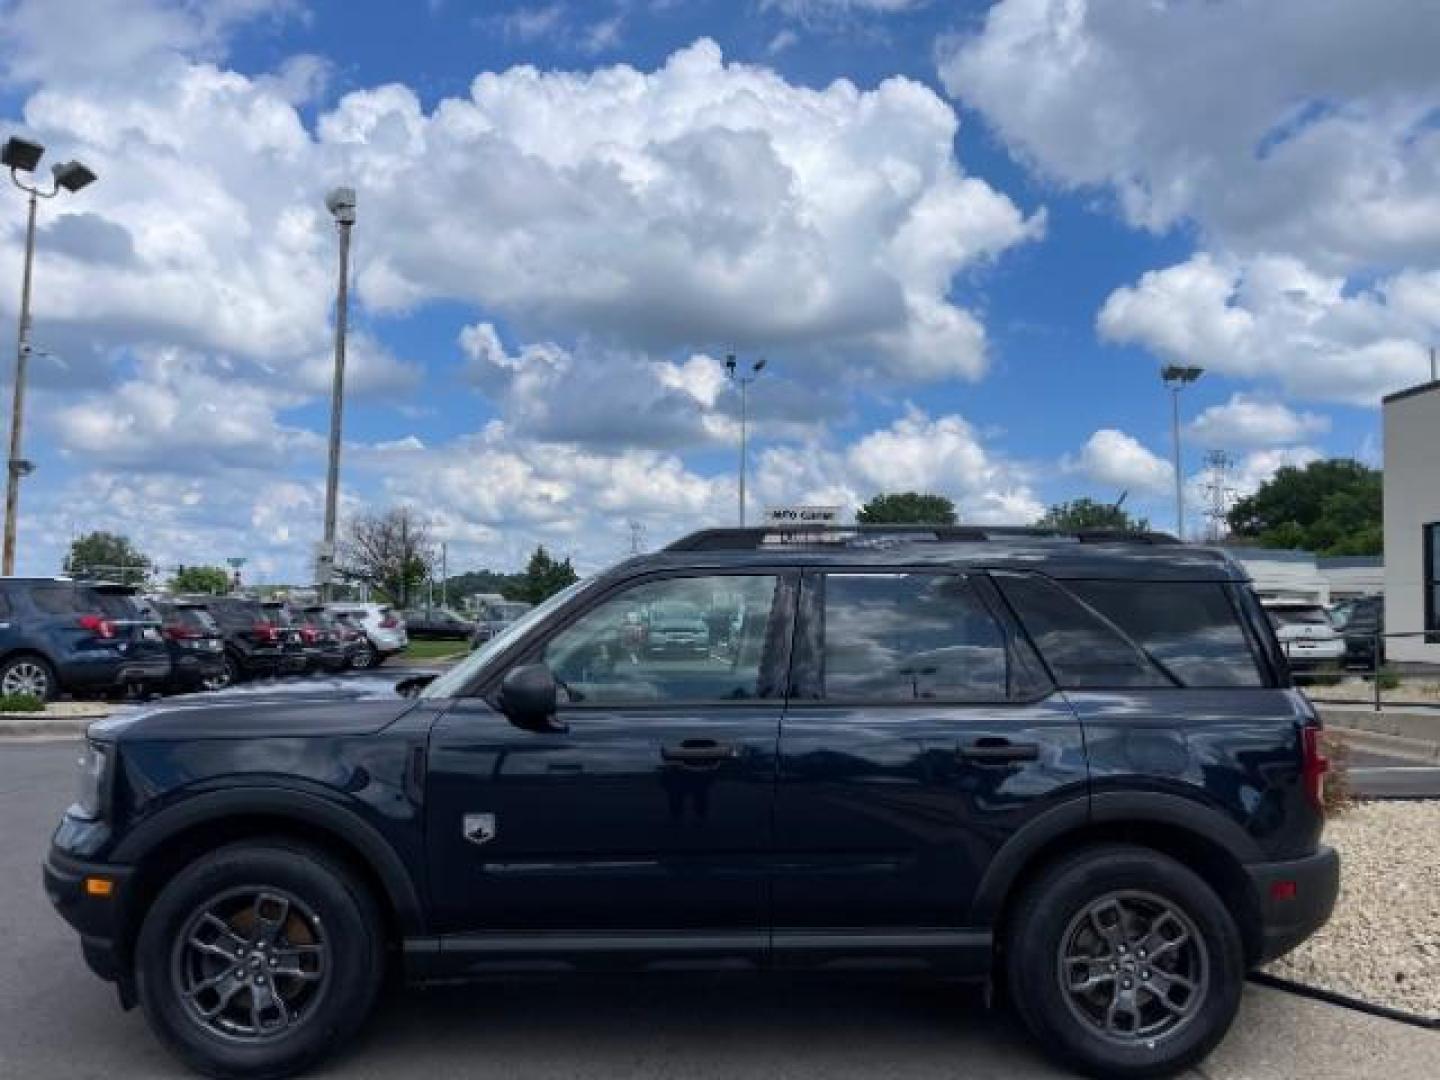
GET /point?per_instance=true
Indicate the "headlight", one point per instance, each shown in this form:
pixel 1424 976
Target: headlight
pixel 93 781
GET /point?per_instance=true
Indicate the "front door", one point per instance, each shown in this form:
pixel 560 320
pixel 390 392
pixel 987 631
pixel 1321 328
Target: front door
pixel 652 811
pixel 921 733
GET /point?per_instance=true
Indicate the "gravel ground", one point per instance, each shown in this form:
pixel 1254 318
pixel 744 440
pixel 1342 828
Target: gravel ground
pixel 1383 942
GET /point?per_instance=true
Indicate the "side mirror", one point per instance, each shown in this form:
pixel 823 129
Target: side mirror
pixel 528 696
pixel 413 684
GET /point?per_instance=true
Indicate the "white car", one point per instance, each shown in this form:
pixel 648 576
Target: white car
pixel 384 631
pixel 1306 633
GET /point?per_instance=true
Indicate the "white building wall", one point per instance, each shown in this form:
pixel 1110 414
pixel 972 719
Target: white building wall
pixel 1412 500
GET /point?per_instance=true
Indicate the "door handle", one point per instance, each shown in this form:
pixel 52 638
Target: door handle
pixel 998 751
pixel 698 752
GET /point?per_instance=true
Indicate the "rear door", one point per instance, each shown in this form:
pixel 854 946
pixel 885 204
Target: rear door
pixel 921 732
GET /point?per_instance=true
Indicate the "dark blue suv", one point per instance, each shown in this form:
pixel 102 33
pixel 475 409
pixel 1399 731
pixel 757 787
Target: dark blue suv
pixel 1072 766
pixel 78 637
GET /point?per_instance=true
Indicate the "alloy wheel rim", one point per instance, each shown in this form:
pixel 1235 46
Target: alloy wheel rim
pixel 1133 968
pixel 25 678
pixel 251 964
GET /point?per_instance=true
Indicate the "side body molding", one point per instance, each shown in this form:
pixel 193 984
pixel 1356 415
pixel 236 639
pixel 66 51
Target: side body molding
pixel 312 809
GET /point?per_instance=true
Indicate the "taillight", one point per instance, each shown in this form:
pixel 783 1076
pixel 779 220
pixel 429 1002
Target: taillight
pixel 1314 765
pixel 180 632
pixel 265 632
pixel 99 625
pixel 309 635
pixel 389 622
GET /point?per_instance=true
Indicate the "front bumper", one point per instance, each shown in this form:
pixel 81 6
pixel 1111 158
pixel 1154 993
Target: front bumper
pixel 1296 898
pixel 99 919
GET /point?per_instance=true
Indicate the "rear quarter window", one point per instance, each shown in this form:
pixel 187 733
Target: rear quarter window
pixel 56 600
pixel 1190 627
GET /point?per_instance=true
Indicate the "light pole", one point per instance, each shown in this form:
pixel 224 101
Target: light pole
pixel 743 381
pixel 22 155
pixel 341 204
pixel 1177 377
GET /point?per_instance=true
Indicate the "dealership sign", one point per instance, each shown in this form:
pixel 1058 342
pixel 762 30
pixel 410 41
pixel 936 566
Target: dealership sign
pixel 803 515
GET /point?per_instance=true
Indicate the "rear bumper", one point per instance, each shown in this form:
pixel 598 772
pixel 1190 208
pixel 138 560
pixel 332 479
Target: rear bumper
pixel 98 919
pixel 102 671
pixel 192 670
pixel 1296 898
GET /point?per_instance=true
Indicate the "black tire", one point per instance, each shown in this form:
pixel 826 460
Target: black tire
pixel 234 670
pixel 322 899
pixel 29 674
pixel 365 658
pixel 1049 914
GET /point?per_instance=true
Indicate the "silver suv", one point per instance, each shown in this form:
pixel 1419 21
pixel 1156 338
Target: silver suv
pixel 384 631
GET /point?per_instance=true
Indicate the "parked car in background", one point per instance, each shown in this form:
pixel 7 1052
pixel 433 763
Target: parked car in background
pixel 677 630
pixel 494 617
pixel 254 645
pixel 1364 620
pixel 350 634
pixel 196 645
pixel 1306 633
pixel 294 658
pixel 385 633
pixel 437 624
pixel 59 635
pixel 320 641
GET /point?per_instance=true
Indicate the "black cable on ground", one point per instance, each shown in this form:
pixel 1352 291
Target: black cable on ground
pixel 1330 997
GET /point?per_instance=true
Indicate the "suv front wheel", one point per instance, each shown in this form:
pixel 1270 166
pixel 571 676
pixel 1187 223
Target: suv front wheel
pixel 1124 963
pixel 259 959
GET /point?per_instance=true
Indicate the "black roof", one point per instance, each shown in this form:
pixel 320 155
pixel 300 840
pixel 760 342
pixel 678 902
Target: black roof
pixel 1126 556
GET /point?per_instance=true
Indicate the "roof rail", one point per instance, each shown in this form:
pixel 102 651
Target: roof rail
pixel 788 535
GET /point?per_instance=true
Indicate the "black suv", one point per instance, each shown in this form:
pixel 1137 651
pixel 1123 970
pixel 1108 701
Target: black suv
pixel 80 637
pixel 1074 765
pixel 196 645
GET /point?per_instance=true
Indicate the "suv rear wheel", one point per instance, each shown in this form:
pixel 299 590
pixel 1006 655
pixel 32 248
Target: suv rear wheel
pixel 29 676
pixel 258 959
pixel 365 657
pixel 1124 963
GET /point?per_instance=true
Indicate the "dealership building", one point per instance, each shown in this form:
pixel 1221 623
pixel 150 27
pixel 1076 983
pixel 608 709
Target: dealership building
pixel 1412 522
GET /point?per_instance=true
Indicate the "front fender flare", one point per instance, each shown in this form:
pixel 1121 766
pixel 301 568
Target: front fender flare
pixel 312 809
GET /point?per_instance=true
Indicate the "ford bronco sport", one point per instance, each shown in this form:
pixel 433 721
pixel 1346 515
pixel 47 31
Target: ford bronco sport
pixel 1072 765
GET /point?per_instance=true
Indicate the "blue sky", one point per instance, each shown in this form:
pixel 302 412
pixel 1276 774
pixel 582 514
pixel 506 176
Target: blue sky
pixel 551 263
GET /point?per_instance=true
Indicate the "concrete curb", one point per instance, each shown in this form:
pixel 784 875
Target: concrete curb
pixel 31 727
pixel 1419 751
pixel 1412 725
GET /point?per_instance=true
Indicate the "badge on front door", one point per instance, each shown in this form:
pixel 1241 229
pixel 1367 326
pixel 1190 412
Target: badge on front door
pixel 478 828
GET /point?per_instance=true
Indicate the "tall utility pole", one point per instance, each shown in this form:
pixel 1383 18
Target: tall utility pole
pixel 444 574
pixel 341 204
pixel 1177 377
pixel 743 381
pixel 22 156
pixel 637 536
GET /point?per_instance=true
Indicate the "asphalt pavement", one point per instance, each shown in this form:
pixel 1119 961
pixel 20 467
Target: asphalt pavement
pixel 58 1021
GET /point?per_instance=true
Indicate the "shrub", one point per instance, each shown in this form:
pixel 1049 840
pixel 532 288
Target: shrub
pixel 1329 675
pixel 21 703
pixel 1388 678
pixel 1339 796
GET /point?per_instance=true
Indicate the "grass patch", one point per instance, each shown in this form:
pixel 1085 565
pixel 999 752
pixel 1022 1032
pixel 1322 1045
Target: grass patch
pixel 1389 679
pixel 433 650
pixel 21 703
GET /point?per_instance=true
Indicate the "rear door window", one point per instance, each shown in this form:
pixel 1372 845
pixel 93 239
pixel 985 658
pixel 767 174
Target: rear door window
pixel 57 600
pixel 1189 627
pixel 916 637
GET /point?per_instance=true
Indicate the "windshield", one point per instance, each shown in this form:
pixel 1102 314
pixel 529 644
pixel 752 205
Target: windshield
pixel 458 677
pixel 1300 616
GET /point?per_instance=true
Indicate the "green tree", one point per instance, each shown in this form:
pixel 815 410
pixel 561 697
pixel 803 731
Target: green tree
pixel 210 580
pixel 544 576
pixel 907 508
pixel 1330 507
pixel 1086 513
pixel 107 556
